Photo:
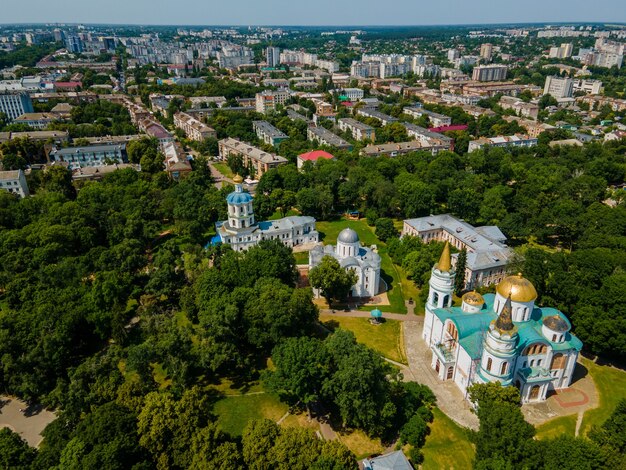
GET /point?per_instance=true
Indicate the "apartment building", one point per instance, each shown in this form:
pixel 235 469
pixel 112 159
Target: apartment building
pixel 435 119
pixel 353 94
pixel 588 86
pixel 177 166
pixel 89 155
pixel 268 133
pixel 562 52
pixel 14 105
pixel 435 140
pixel 529 110
pixel 359 130
pixel 559 87
pixel 195 129
pixel 254 158
pixel 272 56
pixel 268 100
pixel 517 140
pixel 384 119
pixel 36 120
pixel 401 148
pixel 324 137
pixel 14 181
pixel 486 51
pixel 489 73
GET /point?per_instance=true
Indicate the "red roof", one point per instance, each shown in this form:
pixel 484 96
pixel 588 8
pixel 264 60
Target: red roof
pixel 68 84
pixel 315 155
pixel 454 127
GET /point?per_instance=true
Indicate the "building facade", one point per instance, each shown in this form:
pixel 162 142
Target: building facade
pixel 241 231
pixel 253 158
pixel 559 87
pixel 90 155
pixel 194 128
pixel 268 100
pixel 489 73
pixel 268 133
pixel 14 181
pixel 359 130
pixel 517 140
pixel 15 104
pixel 365 262
pixel 502 338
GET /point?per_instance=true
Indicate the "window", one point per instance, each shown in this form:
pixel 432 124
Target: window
pixel 558 361
pixel 554 338
pixel 504 368
pixel 489 364
pixel 450 372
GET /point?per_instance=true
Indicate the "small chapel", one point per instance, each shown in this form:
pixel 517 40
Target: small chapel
pixel 500 337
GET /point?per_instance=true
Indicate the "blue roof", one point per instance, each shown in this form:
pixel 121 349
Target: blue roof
pixel 471 327
pixel 238 198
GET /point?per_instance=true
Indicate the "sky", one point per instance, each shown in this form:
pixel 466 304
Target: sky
pixel 316 12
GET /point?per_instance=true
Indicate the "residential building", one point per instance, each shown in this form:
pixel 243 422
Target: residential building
pixel 359 130
pixel 90 155
pixel 153 128
pixel 529 110
pixel 74 44
pixel 588 86
pixel 36 120
pixel 254 158
pixel 177 164
pixel 195 129
pixel 393 461
pixel 268 133
pixel 517 140
pixel 559 87
pixel 241 231
pixel 487 252
pixel 428 138
pixel 351 255
pixel 486 51
pixel 498 338
pixel 207 101
pixel 14 181
pixel 353 94
pixel 15 104
pixel 489 73
pixel 313 156
pixel 272 56
pixel 324 137
pixel 562 52
pixel 268 100
pixel 400 148
pixel 372 113
pixel 436 119
pixel 453 54
pixel 57 137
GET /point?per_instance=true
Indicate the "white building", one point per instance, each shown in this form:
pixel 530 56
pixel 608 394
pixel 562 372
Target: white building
pixel 359 130
pixel 489 73
pixel 559 87
pixel 241 231
pixel 272 56
pixel 15 104
pixel 14 182
pixel 353 94
pixel 487 253
pixel 268 100
pixel 517 140
pixel 498 338
pixel 365 262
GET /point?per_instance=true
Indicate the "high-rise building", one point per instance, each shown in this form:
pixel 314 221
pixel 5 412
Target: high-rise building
pixel 561 52
pixel 272 55
pixel 15 104
pixel 453 54
pixel 489 73
pixel 486 51
pixel 74 44
pixel 559 87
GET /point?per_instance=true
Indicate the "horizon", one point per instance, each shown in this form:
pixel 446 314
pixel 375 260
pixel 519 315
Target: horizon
pixel 326 13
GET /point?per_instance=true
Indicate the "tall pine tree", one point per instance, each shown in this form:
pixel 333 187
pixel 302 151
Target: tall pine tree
pixel 459 279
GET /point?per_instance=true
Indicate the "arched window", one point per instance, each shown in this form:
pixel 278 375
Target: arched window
pixel 535 348
pixel 435 298
pixel 558 361
pixel 450 372
pixel 452 331
pixel 534 392
pixel 503 368
pixel 554 338
pixel 446 299
pixel 489 363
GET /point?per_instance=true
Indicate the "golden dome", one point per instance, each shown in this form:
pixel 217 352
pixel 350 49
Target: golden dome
pixel 520 289
pixel 445 264
pixel 237 179
pixel 473 298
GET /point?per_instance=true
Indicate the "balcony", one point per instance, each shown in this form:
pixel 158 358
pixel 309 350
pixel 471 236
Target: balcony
pixel 446 352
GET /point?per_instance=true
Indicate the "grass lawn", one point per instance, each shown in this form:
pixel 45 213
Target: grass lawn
pixel 302 257
pixel 224 169
pixel 277 215
pixel 329 231
pixel 611 385
pixel 385 338
pixel 447 446
pixel 565 425
pixel 360 444
pixel 234 413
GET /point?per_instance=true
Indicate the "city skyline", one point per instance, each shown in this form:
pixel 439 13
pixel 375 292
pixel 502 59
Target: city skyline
pixel 326 13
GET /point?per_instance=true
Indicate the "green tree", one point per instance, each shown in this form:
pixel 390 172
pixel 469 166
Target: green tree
pixel 459 278
pixel 333 281
pixel 15 453
pixel 385 229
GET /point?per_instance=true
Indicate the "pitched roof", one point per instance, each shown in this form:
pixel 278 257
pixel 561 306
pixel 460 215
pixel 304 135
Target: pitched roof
pixel 315 155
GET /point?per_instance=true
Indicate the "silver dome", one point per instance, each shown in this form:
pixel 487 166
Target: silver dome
pixel 347 235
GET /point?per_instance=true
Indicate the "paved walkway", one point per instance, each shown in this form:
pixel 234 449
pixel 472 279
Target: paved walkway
pixel 449 398
pixel 409 317
pixel 27 421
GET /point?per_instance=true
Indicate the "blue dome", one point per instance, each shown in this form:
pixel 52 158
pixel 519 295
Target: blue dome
pixel 239 198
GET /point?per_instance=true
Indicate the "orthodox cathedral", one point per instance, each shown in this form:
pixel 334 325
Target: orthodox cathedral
pixel 502 337
pixel 241 231
pixel 365 262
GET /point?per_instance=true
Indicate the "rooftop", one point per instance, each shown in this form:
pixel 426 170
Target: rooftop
pixel 315 155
